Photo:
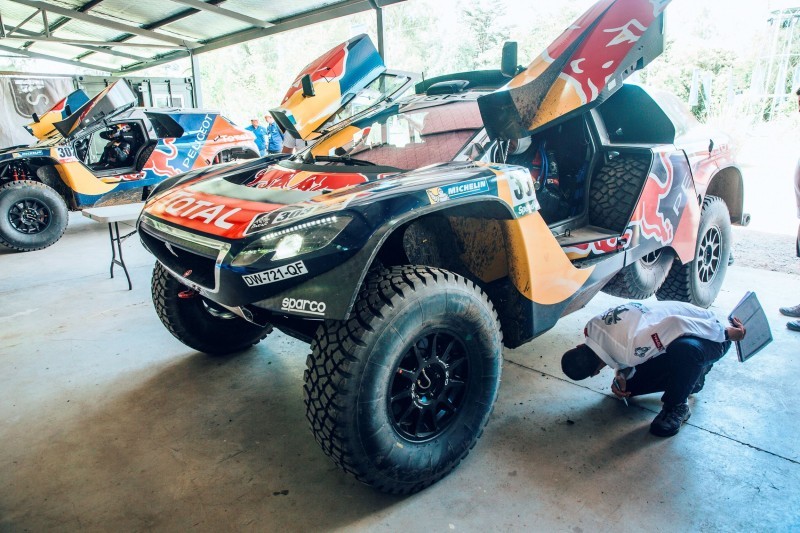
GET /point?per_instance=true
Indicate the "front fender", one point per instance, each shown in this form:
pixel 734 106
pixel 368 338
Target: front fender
pixel 338 288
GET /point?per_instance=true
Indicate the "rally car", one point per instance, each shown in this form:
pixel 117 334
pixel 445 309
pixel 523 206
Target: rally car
pixel 105 152
pixel 417 238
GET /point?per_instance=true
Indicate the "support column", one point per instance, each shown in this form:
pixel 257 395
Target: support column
pixel 197 93
pixel 379 16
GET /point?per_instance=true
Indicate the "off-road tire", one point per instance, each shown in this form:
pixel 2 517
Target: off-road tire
pixel 366 383
pixel 699 281
pixel 191 322
pixel 614 191
pixel 642 278
pixel 31 206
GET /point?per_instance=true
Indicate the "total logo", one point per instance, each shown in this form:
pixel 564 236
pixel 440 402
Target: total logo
pixel 311 307
pixel 184 205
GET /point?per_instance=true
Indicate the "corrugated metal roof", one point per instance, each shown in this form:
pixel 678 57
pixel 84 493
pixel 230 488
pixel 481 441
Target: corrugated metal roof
pixel 123 35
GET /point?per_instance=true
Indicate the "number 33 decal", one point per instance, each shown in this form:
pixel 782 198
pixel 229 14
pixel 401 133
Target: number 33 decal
pixel 521 186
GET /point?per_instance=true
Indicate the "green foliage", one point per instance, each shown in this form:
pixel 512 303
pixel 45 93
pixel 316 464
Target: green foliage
pixel 484 35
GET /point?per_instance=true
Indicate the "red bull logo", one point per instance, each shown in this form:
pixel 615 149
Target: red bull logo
pixel 271 178
pixel 162 159
pixel 649 216
pixel 599 57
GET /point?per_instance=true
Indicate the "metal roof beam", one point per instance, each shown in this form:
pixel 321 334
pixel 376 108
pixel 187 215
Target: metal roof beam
pixel 153 62
pixel 35 55
pixel 71 13
pixel 21 24
pixel 341 9
pixel 159 23
pixel 61 21
pixel 99 49
pixel 79 42
pixel 203 6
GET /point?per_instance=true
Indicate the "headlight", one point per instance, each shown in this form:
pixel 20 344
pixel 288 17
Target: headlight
pixel 295 240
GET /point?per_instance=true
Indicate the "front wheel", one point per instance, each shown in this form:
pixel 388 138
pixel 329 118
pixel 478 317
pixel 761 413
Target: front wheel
pixel 198 322
pixel 32 215
pixel 398 394
pixel 699 281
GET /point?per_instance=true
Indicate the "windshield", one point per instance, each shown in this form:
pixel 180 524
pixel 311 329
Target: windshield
pixel 407 136
pixel 384 85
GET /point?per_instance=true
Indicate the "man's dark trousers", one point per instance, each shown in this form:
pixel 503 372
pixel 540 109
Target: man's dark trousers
pixel 675 372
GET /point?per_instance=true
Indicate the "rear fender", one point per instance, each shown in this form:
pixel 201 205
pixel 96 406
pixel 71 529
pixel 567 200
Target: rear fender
pixel 729 185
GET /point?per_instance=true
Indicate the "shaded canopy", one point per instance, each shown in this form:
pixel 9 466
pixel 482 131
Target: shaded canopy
pixel 120 36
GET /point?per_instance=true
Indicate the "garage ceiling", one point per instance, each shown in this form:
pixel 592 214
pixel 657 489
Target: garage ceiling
pixel 121 36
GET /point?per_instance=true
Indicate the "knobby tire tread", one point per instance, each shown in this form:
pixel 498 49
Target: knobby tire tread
pixel 332 354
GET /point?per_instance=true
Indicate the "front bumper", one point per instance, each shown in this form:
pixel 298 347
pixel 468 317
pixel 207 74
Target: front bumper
pixel 293 287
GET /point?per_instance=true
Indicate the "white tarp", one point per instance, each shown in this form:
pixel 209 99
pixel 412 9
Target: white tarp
pixel 20 97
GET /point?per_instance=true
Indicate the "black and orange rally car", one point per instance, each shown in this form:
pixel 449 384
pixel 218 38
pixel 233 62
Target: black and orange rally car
pixel 419 236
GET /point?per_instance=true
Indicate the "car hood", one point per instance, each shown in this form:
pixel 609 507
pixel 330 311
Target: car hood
pixel 44 127
pixel 580 69
pixel 241 202
pixel 113 99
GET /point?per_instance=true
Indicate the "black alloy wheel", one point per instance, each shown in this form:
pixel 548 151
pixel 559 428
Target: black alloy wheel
pixel 32 215
pixel 29 216
pixel 429 386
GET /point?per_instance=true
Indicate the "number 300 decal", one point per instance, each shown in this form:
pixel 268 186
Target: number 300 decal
pixel 65 152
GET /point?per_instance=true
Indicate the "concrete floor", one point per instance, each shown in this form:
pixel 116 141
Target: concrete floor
pixel 108 423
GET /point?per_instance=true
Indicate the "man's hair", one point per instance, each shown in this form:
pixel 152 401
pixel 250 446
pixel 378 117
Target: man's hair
pixel 797 92
pixel 580 363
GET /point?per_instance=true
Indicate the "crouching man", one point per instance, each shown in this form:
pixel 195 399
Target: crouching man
pixel 654 347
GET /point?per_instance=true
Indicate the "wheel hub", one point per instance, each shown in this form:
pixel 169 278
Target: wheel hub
pixel 429 386
pixel 29 216
pixel 430 383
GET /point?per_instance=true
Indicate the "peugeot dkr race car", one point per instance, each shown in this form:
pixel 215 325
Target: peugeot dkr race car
pixel 106 152
pixel 415 239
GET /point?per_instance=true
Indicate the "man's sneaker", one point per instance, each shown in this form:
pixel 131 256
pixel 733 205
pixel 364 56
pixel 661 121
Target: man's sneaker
pixel 668 422
pixel 793 325
pixel 793 311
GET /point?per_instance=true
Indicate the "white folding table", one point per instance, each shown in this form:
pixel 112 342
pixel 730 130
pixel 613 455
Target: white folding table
pixel 113 215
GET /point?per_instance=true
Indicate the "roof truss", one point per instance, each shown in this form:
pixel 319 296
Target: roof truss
pixel 150 42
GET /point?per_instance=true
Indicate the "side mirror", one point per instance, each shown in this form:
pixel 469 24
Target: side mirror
pixel 508 64
pixel 308 87
pixel 67 110
pixel 35 118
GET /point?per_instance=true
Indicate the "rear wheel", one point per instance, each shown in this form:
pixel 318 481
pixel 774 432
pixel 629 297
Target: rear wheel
pixel 698 282
pixel 641 279
pixel 198 322
pixel 398 394
pixel 32 215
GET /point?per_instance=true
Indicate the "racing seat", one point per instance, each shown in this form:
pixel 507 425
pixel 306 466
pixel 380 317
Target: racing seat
pixel 542 162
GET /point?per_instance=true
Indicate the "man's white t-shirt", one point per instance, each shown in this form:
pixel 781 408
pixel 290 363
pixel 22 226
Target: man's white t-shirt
pixel 295 144
pixel 632 333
